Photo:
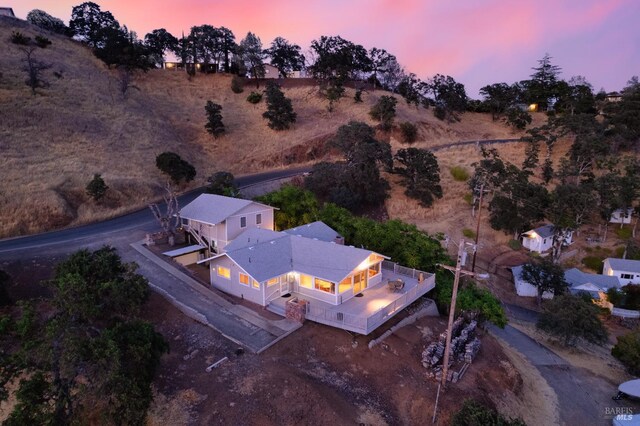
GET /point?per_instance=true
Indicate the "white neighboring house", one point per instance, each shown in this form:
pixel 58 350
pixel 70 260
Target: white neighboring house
pixel 620 216
pixel 594 284
pixel 579 282
pixel 214 221
pixel 627 271
pixel 523 288
pixel 541 238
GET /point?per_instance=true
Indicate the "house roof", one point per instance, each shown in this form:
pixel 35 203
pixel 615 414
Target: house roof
pixel 253 236
pixel 213 209
pixel 318 230
pixel 284 253
pixel 579 280
pixel 544 231
pixel 7 11
pixel 623 264
pixel 184 250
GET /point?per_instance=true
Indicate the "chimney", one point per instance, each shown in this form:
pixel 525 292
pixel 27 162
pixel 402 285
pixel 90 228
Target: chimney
pixel 339 240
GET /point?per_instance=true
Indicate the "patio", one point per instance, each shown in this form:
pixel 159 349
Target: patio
pixel 377 305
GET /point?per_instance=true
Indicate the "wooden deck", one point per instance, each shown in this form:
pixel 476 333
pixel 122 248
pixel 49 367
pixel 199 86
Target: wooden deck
pixel 364 314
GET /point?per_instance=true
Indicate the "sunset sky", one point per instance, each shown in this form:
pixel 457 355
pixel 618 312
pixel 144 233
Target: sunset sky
pixel 476 41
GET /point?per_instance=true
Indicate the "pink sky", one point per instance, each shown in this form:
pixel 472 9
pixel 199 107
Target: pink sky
pixel 477 42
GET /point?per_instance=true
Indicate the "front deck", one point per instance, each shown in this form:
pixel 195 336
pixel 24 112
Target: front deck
pixel 377 305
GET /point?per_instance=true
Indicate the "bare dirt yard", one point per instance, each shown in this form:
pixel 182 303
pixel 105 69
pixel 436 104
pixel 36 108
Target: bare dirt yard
pixel 317 375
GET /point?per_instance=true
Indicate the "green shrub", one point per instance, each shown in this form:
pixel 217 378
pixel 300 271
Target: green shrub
pixel 237 84
pixel 468 233
pixel 177 168
pixel 473 413
pixel 514 244
pixel 459 174
pixel 624 233
pixel 357 97
pixel 42 41
pixel 627 350
pixel 18 38
pixel 409 132
pixel 468 198
pixel 572 319
pixel 384 111
pixel 254 97
pixel 593 262
pixel 96 188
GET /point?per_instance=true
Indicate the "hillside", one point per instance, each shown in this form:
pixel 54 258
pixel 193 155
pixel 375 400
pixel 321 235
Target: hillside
pixel 51 144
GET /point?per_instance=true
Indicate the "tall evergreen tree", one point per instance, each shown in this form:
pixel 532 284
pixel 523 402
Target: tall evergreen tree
pixel 279 109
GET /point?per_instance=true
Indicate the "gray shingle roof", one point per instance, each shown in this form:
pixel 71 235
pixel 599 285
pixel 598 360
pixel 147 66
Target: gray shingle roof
pixel 286 253
pixel 213 209
pixel 253 236
pixel 318 230
pixel 627 265
pixel 576 278
pixel 545 231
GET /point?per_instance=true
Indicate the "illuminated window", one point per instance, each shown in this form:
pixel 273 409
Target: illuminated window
pixel 273 281
pixel 326 286
pixel 258 218
pixel 243 222
pixel 374 270
pixel 244 279
pixel 255 284
pixel 345 284
pixel 306 281
pixel 224 272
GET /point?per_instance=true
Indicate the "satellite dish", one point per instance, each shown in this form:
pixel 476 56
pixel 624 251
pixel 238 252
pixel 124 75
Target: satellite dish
pixel 482 277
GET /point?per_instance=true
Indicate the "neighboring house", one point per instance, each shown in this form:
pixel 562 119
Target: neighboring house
pixel 270 71
pixel 523 288
pixel 579 282
pixel 620 216
pixel 613 97
pixel 214 221
pixel 627 271
pixel 594 284
pixel 7 11
pixel 541 239
pixel 298 74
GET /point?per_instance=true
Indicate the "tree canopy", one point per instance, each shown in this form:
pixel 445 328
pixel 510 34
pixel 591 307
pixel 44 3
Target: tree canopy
pixel 338 58
pixel 279 111
pixel 90 348
pixel 285 56
pixel 421 174
pixel 545 276
pixel 572 319
pixel 174 166
pixel 214 125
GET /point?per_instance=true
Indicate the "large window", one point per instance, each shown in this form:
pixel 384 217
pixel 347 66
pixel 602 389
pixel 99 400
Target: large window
pixel 374 270
pixel 243 222
pixel 258 218
pixel 255 284
pixel 345 284
pixel 306 281
pixel 224 272
pixel 244 279
pixel 326 286
pixel 273 281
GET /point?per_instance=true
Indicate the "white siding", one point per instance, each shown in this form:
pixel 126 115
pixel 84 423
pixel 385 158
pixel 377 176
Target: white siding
pixel 250 212
pixel 525 289
pixel 232 285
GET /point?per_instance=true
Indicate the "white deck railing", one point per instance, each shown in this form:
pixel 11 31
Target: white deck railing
pixel 403 270
pixel 365 324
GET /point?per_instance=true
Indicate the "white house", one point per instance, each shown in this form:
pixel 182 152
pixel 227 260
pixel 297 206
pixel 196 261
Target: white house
pixel 627 271
pixel 214 220
pixel 541 238
pixel 594 284
pixel 270 71
pixel 523 288
pixel 7 11
pixel 621 216
pixel 262 265
pixel 578 281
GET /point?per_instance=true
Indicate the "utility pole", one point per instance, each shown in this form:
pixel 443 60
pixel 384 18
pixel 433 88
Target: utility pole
pixel 475 251
pixel 452 309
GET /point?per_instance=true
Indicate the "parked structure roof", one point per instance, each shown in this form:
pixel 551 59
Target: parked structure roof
pixel 318 230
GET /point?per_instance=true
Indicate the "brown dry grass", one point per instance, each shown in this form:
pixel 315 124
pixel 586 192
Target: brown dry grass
pixel 52 144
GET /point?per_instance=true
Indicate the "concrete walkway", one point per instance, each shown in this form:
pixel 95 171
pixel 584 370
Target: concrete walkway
pixel 238 323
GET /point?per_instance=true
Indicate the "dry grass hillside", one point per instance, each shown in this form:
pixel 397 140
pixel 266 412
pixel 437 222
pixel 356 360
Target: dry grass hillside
pixel 52 143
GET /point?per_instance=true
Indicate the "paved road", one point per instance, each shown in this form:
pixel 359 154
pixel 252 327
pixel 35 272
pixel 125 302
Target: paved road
pixel 582 396
pixel 141 220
